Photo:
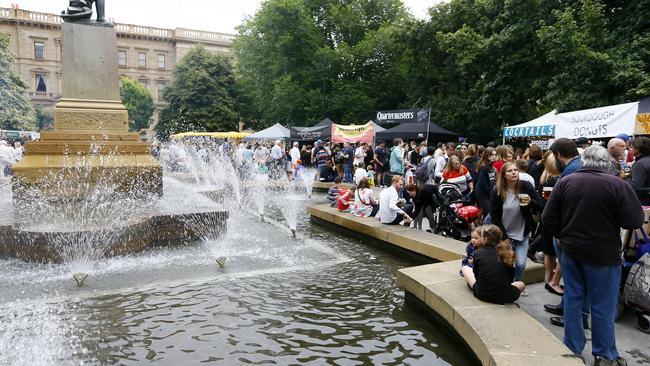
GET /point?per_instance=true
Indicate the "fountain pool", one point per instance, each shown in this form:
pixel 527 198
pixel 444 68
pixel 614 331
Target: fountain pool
pixel 247 293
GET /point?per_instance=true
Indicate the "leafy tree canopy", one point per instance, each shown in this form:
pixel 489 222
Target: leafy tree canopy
pixel 16 111
pixel 299 61
pixel 202 95
pixel 138 102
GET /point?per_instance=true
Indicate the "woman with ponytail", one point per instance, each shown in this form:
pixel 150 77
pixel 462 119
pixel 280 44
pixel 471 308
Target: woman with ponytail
pixel 494 267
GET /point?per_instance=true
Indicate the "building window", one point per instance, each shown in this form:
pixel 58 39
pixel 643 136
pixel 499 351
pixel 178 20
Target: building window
pixel 144 82
pixel 160 88
pixel 142 60
pixel 121 58
pixel 39 50
pixel 39 82
pixel 161 61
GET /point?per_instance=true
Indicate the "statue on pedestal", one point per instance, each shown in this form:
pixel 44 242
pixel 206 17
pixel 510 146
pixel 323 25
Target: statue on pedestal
pixel 82 10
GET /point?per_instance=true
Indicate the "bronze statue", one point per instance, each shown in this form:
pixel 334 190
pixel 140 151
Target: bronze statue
pixel 80 10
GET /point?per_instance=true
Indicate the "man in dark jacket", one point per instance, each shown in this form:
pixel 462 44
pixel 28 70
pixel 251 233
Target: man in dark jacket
pixel 585 212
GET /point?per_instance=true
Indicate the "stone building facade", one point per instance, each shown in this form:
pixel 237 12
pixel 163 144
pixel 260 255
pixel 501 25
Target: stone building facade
pixel 146 54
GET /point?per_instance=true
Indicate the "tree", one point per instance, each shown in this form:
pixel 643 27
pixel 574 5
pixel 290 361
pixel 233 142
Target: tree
pixel 16 111
pixel 202 95
pixel 300 61
pixel 138 102
pixel 44 118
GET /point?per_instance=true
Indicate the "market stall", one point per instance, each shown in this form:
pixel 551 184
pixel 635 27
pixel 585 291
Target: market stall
pixel 417 131
pixel 275 132
pixel 540 131
pixel 598 123
pixel 215 135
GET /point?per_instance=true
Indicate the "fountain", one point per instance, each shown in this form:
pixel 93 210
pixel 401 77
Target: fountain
pixel 308 178
pixel 89 188
pixel 90 196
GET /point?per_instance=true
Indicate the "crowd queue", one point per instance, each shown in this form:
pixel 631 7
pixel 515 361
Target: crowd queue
pixel 567 205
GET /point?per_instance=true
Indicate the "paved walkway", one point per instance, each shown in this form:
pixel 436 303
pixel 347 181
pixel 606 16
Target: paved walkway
pixel 633 344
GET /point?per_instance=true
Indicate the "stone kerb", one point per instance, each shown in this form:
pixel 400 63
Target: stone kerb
pixel 498 335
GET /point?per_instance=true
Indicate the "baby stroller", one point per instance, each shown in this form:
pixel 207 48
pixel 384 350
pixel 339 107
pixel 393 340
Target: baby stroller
pixel 636 279
pixel 455 217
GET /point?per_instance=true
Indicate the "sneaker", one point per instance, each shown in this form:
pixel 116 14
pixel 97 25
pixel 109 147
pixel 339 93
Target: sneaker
pixel 524 293
pixel 601 361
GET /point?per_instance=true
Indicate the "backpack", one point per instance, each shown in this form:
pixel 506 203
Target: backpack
pixel 422 172
pixel 338 158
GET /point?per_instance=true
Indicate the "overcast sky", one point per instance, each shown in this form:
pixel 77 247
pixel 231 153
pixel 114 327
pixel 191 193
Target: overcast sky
pixel 212 15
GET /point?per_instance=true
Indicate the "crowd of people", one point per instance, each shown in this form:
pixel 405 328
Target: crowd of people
pixel 567 204
pixel 10 154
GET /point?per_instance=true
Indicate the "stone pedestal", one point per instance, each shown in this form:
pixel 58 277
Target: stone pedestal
pixel 91 126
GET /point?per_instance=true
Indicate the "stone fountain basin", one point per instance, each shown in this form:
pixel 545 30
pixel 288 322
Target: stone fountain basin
pixel 155 231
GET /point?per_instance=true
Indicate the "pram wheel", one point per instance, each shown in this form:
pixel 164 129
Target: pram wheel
pixel 643 322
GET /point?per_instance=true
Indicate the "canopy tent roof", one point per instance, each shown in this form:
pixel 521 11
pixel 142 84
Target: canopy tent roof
pixel 275 132
pixel 416 131
pixel 541 126
pixel 324 122
pixel 216 135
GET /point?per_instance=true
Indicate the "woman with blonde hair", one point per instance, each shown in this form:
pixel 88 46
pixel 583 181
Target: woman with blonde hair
pixel 511 208
pixel 458 174
pixel 553 273
pixel 491 278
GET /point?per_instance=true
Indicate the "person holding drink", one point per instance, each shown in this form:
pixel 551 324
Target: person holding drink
pixel 511 208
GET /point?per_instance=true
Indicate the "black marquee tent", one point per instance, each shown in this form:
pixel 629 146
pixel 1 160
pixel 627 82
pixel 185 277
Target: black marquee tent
pixel 417 131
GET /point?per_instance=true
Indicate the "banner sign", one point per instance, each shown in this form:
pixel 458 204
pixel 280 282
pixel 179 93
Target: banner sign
pixel 642 124
pixel 402 116
pixel 310 133
pixel 529 131
pixel 543 144
pixel 598 122
pixel 362 133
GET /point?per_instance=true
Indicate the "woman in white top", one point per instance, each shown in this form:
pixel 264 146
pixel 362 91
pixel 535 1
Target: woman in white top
pixel 365 204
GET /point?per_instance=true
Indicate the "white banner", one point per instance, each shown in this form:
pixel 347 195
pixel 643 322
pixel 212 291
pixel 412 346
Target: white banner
pixel 598 122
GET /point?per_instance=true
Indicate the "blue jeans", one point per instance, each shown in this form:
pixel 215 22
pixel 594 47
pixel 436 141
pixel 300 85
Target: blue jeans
pixel 521 252
pixel 585 306
pixel 599 285
pixel 347 173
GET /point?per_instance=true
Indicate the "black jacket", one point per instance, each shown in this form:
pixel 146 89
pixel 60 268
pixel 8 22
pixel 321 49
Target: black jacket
pixel 586 212
pixel 536 205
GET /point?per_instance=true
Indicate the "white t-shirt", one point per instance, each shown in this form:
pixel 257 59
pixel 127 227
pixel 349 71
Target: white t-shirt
pixel 359 156
pixel 527 178
pixel 276 152
pixel 388 209
pixel 295 154
pixel 441 163
pixel 363 201
pixel 359 174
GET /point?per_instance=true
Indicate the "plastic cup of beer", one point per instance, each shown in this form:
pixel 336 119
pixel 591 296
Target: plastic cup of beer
pixel 524 199
pixel 546 192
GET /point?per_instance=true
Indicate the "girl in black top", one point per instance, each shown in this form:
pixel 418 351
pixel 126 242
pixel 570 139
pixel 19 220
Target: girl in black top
pixel 494 267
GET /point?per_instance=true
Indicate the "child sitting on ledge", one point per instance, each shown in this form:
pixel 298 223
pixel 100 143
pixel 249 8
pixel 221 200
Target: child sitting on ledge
pixel 333 192
pixel 494 267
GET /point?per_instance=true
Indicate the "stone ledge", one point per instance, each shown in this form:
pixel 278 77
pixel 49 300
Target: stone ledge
pixel 325 186
pixel 498 334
